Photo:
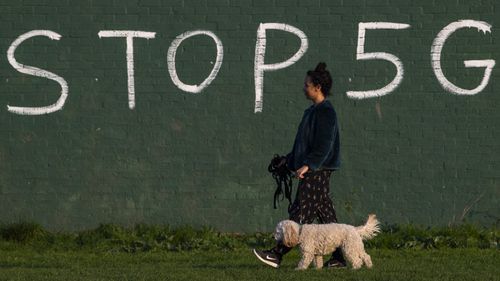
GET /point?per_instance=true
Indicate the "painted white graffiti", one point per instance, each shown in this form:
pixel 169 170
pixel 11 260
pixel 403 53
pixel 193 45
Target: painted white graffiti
pixel 30 70
pixel 260 53
pixel 437 47
pixel 260 67
pixel 130 35
pixel 361 55
pixel 171 61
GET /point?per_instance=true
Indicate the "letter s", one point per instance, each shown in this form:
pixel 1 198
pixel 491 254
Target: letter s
pixel 30 70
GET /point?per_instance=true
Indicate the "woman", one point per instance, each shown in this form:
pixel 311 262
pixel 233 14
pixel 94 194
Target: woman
pixel 315 155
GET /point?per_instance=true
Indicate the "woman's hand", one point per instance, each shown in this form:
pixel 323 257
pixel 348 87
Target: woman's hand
pixel 300 172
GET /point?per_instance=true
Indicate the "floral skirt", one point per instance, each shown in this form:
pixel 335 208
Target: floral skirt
pixel 312 200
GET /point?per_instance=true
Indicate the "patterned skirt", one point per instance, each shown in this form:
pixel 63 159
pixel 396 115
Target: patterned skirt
pixel 312 200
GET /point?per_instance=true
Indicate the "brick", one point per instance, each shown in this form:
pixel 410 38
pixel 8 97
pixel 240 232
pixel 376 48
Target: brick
pixel 182 157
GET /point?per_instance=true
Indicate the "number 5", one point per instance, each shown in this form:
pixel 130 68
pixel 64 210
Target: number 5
pixel 361 55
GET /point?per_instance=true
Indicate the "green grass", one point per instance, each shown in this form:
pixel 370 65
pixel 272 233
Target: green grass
pixel 145 238
pixel 154 252
pixel 450 264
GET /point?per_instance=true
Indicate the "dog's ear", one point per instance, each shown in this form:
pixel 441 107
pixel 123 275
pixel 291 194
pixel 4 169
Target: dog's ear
pixel 290 235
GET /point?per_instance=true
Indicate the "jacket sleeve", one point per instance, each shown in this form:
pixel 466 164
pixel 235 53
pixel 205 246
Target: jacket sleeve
pixel 323 138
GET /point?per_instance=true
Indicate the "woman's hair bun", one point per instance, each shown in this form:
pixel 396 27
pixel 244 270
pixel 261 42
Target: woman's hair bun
pixel 321 76
pixel 321 67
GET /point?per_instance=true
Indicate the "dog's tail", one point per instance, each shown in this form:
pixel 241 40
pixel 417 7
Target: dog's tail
pixel 370 229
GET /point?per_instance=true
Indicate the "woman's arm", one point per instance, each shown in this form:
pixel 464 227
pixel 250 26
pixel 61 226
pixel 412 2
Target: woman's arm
pixel 323 139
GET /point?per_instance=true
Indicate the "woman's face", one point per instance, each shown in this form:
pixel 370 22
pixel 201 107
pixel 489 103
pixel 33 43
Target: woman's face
pixel 310 91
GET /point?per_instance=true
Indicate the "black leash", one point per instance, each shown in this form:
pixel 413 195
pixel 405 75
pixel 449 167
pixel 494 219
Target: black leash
pixel 283 178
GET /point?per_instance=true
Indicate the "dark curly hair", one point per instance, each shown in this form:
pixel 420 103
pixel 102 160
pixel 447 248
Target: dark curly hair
pixel 321 76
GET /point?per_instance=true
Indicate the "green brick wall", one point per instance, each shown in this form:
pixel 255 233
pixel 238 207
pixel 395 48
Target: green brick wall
pixel 419 154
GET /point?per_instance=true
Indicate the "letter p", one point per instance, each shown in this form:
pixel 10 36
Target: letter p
pixel 260 53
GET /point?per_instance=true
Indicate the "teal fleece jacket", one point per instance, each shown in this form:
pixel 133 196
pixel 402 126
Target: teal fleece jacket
pixel 317 143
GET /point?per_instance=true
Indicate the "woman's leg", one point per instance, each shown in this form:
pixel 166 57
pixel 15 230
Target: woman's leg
pixel 327 214
pixel 303 209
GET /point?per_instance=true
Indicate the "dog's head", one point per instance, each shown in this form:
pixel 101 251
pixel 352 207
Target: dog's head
pixel 287 231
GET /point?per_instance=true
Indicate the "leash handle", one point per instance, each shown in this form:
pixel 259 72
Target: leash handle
pixel 283 177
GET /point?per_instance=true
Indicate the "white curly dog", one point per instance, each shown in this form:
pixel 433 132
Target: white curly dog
pixel 316 240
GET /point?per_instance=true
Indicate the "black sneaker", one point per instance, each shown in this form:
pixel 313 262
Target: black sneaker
pixel 331 263
pixel 268 257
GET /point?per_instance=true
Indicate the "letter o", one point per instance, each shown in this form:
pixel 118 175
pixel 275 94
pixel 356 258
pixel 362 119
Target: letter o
pixel 171 61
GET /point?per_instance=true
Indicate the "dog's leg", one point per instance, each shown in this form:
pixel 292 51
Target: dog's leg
pixel 352 255
pixel 354 251
pixel 318 262
pixel 367 260
pixel 356 262
pixel 306 260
